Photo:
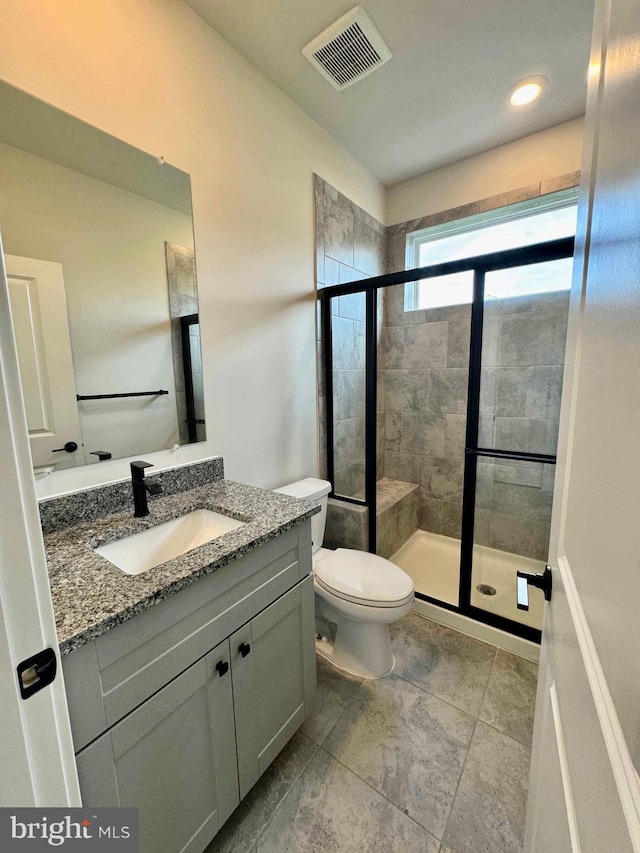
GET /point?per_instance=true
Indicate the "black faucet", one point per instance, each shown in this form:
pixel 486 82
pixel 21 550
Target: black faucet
pixel 142 485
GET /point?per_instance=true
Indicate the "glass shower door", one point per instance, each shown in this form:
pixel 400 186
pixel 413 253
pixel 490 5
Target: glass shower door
pixel 524 327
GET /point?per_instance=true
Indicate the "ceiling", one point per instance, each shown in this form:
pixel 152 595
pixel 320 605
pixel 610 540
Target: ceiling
pixel 442 96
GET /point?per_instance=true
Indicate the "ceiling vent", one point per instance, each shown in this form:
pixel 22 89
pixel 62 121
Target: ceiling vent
pixel 348 50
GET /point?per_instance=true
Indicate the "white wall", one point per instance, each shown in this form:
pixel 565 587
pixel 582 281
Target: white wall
pixel 111 246
pixel 154 74
pixel 531 160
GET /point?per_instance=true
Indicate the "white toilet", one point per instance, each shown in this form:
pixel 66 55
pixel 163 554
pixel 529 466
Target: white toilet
pixel 358 592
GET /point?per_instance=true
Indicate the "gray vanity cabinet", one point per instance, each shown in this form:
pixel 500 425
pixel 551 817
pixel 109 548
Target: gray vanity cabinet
pixel 273 677
pixel 180 709
pixel 174 758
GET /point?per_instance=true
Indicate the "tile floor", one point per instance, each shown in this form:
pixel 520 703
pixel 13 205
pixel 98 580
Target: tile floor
pixel 433 758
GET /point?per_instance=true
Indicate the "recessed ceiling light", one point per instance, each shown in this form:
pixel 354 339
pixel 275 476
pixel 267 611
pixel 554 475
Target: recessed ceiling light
pixel 526 90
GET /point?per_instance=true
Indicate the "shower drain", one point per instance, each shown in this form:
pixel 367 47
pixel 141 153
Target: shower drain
pixel 486 589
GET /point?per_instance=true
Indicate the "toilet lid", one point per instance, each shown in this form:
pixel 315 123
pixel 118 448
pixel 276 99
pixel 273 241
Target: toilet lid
pixel 364 577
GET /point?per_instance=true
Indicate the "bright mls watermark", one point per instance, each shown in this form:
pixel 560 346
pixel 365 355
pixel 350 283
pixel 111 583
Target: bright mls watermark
pixel 108 829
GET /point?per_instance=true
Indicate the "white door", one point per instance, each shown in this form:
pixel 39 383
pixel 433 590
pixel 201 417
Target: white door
pixel 41 329
pixel 38 765
pixel 585 792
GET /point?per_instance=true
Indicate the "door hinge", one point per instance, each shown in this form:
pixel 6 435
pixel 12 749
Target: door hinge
pixel 37 672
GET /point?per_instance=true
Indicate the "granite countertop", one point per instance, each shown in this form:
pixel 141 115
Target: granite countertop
pixel 91 596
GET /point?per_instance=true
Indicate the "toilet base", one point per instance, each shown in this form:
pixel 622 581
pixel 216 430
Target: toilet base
pixel 360 649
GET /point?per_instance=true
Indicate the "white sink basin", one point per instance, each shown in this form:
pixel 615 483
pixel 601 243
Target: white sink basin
pixel 143 551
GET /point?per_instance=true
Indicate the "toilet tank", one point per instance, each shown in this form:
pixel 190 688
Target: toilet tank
pixel 316 492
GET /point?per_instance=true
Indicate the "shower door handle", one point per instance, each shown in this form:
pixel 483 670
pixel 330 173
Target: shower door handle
pixel 541 580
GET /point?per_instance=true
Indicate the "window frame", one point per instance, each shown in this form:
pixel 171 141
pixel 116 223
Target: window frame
pixel 496 216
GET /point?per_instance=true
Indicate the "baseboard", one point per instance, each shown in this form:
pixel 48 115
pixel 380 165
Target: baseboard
pixel 509 642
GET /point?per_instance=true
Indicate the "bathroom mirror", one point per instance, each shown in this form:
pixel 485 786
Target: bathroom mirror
pixel 98 242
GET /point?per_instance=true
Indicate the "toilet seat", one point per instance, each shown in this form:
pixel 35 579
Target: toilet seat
pixel 363 578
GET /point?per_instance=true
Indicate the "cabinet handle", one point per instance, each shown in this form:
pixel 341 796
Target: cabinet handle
pixel 223 667
pixel 244 649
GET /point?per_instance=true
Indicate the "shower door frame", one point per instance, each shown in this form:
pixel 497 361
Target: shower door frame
pixel 480 265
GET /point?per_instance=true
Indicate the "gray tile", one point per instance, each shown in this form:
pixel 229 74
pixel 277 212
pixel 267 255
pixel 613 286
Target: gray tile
pixel 330 809
pixel 518 474
pixel 352 306
pixel 335 693
pixel 451 519
pixel 348 441
pixel 394 313
pixel 245 824
pixel 455 435
pixel 347 274
pixel 491 339
pixel 512 389
pixel 442 478
pixel 446 390
pixel 322 423
pixel 393 430
pixel 484 484
pixel 533 338
pixel 348 394
pixel 543 391
pixel 422 433
pixel 516 534
pixel 381 390
pixel 346 525
pixel 425 345
pixel 338 230
pixel 526 501
pixel 458 343
pixel 405 390
pixel 448 664
pixel 407 744
pixel 510 698
pixel 380 430
pixel 348 344
pixel 331 271
pixel 430 515
pixel 396 252
pixel 488 389
pixel 488 814
pixel 528 435
pixel 349 481
pixel 391 347
pixel 446 313
pixel 481 526
pixel 402 466
pixel 368 248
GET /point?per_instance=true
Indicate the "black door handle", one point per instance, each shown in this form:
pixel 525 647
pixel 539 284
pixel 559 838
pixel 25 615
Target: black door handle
pixel 541 580
pixel 223 667
pixel 244 649
pixel 70 447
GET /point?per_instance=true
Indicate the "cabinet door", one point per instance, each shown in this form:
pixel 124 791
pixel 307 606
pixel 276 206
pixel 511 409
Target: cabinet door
pixel 174 758
pixel 273 668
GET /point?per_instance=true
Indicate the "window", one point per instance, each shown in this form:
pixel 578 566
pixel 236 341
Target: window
pixel 534 221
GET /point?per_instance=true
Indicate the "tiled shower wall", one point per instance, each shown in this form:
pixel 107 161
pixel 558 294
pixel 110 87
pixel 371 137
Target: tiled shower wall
pixel 350 245
pixel 425 356
pixel 521 387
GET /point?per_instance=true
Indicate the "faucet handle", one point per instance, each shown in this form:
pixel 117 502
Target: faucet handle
pixel 137 469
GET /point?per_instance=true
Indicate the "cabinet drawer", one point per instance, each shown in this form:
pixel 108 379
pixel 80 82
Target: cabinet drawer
pixel 112 676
